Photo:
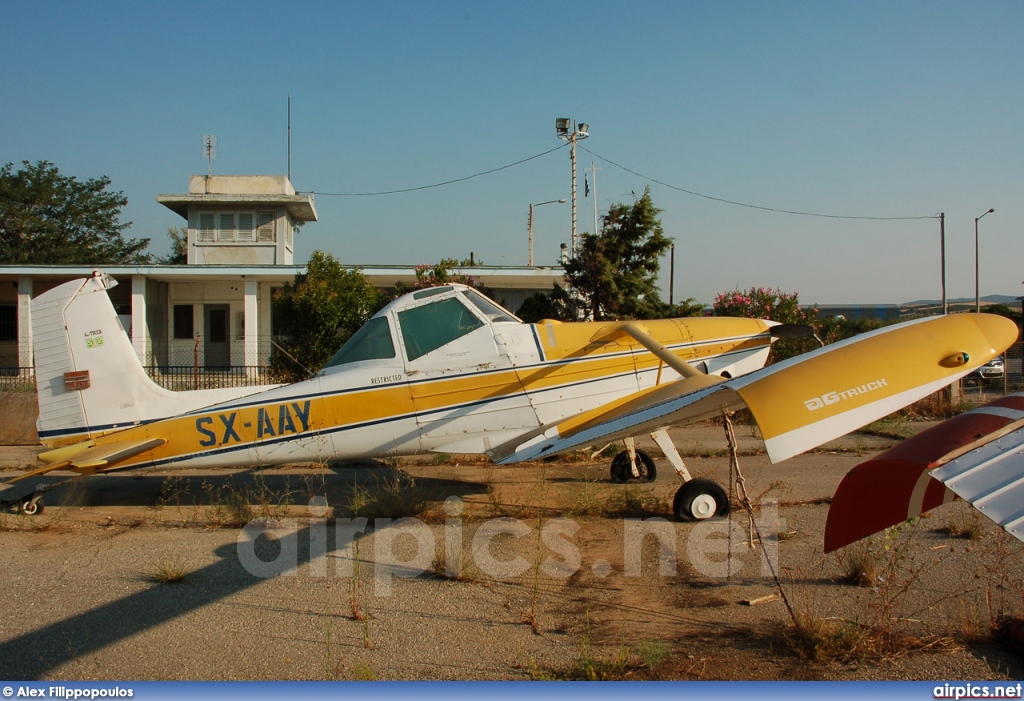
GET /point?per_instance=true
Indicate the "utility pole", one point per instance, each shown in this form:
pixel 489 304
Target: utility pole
pixel 671 274
pixel 942 244
pixel 568 130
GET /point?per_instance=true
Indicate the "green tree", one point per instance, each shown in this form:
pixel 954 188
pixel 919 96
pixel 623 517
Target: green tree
pixel 615 273
pixel 1003 310
pixel 50 219
pixel 318 313
pixel 179 246
pixel 444 274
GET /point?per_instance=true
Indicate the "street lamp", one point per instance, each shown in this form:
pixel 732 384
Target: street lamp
pixel 977 298
pixel 530 222
pixel 568 130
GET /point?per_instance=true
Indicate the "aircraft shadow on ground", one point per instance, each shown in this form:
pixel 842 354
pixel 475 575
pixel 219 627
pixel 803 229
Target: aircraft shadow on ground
pixel 35 654
pixel 211 488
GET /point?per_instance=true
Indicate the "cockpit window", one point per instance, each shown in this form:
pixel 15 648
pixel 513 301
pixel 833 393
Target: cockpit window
pixel 491 310
pixel 430 292
pixel 431 326
pixel 371 342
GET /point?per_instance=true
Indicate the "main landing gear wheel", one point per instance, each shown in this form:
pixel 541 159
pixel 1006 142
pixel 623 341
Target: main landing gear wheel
pixel 700 499
pixel 623 472
pixel 32 506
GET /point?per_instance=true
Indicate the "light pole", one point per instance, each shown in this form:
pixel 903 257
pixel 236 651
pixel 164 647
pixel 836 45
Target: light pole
pixel 942 248
pixel 568 130
pixel 977 298
pixel 530 222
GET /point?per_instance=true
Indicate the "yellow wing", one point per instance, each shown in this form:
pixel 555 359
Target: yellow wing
pixel 802 402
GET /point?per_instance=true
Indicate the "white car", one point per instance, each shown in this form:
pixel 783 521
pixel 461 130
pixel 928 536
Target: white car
pixel 992 370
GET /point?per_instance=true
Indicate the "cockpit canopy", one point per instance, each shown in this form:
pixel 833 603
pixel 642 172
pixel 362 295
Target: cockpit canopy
pixel 426 320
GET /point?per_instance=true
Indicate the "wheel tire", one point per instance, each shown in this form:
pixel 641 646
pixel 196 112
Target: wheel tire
pixel 700 499
pixel 32 507
pixel 621 472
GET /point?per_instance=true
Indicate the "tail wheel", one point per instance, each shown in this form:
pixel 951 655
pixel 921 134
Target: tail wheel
pixel 622 471
pixel 700 499
pixel 32 506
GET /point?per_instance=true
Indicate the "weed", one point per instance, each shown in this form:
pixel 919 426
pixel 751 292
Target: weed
pixel 860 564
pixel 591 668
pixel 584 500
pixel 532 616
pixel 633 501
pixel 459 569
pixel 392 497
pixel 832 640
pixel 964 524
pixel 361 672
pixel 895 427
pixel 169 570
pixel 355 594
pixel 652 652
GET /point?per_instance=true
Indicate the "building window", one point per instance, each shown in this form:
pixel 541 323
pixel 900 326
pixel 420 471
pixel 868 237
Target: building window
pixel 236 227
pixel 265 227
pixel 226 226
pixel 207 227
pixel 183 320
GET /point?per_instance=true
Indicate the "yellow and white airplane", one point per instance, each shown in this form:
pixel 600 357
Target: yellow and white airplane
pixel 446 369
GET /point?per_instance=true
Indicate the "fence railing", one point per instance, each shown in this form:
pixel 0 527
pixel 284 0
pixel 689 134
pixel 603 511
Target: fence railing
pixel 17 379
pixel 187 377
pixel 176 378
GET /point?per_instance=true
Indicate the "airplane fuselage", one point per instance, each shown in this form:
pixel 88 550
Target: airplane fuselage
pixel 442 373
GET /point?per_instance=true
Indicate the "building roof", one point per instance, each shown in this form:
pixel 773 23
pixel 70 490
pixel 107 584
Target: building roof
pixel 504 277
pixel 300 207
pixel 241 191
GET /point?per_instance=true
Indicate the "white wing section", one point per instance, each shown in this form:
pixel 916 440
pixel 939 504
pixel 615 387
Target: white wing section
pixel 991 478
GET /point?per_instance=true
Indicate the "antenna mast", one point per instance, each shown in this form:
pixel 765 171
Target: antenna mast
pixel 289 138
pixel 209 151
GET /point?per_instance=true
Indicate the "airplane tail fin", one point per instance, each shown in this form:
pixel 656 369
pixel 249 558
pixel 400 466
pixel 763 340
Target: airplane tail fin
pixel 89 379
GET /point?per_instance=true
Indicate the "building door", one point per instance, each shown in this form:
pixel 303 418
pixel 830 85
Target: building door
pixel 218 335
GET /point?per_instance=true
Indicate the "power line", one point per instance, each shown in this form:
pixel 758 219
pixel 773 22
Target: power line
pixel 441 184
pixel 752 206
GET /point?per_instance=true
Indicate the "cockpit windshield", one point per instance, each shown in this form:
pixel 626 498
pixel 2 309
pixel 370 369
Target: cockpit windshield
pixel 371 342
pixel 430 326
pixel 491 310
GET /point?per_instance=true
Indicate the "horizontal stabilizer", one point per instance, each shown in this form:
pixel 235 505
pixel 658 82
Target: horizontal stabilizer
pixel 908 479
pixel 88 457
pixel 991 478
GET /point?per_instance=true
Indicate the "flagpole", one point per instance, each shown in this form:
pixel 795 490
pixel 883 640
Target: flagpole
pixel 593 172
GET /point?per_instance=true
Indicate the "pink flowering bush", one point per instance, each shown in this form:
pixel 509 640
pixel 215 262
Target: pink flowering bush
pixel 774 305
pixel 763 303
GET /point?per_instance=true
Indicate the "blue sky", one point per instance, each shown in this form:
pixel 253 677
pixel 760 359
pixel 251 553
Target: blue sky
pixel 873 109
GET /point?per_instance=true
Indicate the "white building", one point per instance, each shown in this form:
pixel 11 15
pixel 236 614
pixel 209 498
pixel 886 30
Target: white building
pixel 214 313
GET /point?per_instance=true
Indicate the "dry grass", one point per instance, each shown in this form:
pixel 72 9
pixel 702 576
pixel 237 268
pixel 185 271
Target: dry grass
pixel 964 524
pixel 395 496
pixel 169 570
pixel 832 640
